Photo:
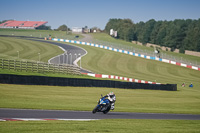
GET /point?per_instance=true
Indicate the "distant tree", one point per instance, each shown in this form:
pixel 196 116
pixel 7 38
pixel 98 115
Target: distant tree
pixel 192 39
pixel 182 50
pixel 160 36
pixel 113 24
pixel 43 27
pixel 124 28
pixel 139 28
pixel 181 34
pixel 130 34
pixel 96 28
pixel 3 21
pixel 63 28
pixel 148 28
pixel 155 32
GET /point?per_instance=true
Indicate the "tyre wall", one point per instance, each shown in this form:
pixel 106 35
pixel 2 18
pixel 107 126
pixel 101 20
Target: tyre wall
pixel 78 82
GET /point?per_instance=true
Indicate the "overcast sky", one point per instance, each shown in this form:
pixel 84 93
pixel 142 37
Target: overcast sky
pixel 81 13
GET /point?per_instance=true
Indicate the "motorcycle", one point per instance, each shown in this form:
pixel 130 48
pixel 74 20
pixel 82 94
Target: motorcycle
pixel 102 106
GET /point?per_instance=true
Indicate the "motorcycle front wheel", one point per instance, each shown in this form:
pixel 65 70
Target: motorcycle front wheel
pixel 94 110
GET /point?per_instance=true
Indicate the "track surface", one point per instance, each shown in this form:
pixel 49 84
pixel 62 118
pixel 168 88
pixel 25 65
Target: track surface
pixel 72 53
pixel 52 114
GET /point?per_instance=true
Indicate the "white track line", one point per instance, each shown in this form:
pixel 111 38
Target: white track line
pixel 45 119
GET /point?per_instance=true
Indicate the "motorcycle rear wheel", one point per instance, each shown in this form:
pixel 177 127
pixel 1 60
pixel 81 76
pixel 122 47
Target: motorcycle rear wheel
pixel 107 110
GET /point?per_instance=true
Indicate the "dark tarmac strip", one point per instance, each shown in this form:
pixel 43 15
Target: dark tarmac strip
pixel 57 114
pixel 69 57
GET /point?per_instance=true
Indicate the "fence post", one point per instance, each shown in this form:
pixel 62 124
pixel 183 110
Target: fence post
pixel 43 68
pixel 14 65
pixel 64 69
pixel 32 66
pixel 68 69
pixel 48 67
pixel 8 64
pixel 58 68
pixel 20 65
pixel 78 70
pixel 37 66
pixel 26 66
pixel 54 68
pixel 2 63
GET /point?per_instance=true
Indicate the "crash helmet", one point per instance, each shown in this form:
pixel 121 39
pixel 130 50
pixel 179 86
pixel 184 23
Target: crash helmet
pixel 111 93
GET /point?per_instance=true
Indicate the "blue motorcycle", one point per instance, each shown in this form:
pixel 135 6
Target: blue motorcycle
pixel 102 106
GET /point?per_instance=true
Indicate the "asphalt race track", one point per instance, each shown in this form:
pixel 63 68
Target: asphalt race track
pixel 71 54
pixel 56 114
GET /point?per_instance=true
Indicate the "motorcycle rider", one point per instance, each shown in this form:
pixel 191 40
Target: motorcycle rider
pixel 112 99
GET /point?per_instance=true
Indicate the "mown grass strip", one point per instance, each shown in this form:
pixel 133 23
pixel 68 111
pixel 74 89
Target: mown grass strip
pixel 102 126
pixel 123 44
pixel 39 33
pixel 185 101
pixel 28 50
pixel 103 61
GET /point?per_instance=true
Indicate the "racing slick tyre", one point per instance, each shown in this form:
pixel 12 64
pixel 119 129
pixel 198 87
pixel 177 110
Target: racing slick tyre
pixel 94 110
pixel 107 110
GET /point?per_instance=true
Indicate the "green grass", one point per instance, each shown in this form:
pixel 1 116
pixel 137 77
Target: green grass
pixel 185 101
pixel 108 62
pixel 98 37
pixel 102 126
pixel 48 74
pixel 38 33
pixel 27 49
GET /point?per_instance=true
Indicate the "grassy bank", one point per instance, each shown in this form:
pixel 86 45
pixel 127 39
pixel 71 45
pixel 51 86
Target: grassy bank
pixel 185 101
pixel 106 39
pixel 102 126
pixel 113 63
pixel 39 33
pixel 49 74
pixel 28 50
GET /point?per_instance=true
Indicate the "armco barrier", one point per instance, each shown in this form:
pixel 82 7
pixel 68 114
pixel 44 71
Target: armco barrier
pixel 128 52
pixel 57 81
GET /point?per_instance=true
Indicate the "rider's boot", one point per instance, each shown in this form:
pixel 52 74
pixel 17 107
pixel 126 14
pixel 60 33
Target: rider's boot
pixel 112 106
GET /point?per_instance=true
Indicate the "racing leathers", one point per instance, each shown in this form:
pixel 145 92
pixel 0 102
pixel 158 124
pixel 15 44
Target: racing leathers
pixel 112 100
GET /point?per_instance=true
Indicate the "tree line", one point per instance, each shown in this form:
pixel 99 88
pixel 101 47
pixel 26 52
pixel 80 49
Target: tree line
pixel 177 34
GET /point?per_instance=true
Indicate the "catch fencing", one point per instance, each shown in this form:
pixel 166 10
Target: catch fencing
pixel 39 67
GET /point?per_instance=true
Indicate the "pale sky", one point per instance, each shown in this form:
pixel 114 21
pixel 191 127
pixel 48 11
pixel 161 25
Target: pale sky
pixel 81 13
